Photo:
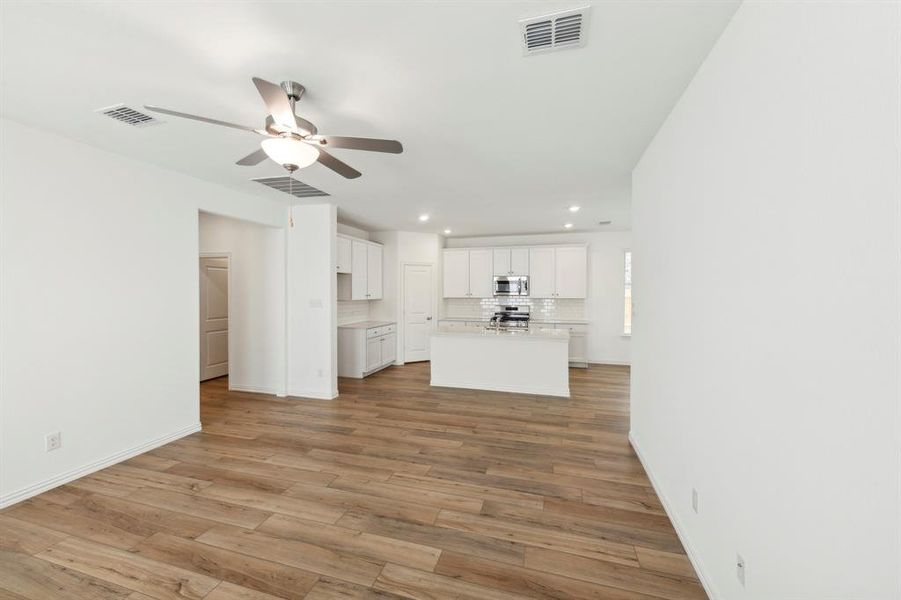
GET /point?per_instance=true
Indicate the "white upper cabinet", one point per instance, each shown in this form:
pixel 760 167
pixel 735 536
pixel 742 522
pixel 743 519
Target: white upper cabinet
pixel 481 282
pixel 359 284
pixel 361 279
pixel 511 261
pixel 344 255
pixel 542 282
pixel 571 277
pixel 373 272
pixel 502 262
pixel 456 273
pixel 560 272
pixel 554 271
pixel 467 274
pixel 519 261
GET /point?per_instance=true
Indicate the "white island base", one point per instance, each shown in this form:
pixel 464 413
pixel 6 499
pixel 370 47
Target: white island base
pixel 526 362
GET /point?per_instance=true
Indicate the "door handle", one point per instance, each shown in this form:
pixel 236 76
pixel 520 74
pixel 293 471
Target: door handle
pixel 428 318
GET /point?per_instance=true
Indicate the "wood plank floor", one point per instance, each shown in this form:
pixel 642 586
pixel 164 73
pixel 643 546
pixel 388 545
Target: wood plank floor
pixel 395 490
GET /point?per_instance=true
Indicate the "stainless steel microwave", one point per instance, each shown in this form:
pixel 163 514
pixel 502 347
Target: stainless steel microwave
pixel 511 286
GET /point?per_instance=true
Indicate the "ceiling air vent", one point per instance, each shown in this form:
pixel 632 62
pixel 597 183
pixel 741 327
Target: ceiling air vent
pixel 295 187
pixel 556 31
pixel 129 116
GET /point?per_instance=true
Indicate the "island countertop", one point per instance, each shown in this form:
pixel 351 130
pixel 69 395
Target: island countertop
pixel 532 333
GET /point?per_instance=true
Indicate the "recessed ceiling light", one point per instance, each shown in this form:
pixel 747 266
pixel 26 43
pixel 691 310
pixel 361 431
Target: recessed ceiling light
pixel 447 232
pixel 423 218
pixel 574 208
pixel 568 226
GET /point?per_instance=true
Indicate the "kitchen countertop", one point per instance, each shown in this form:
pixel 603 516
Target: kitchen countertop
pixel 532 333
pixel 366 324
pixel 546 321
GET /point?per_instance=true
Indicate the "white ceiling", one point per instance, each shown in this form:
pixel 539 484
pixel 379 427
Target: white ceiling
pixel 494 142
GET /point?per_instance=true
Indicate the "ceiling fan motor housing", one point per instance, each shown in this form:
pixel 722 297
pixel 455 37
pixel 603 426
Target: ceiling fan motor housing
pixel 293 89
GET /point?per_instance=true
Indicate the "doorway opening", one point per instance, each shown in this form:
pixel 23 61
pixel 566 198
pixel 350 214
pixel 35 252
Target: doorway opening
pixel 241 303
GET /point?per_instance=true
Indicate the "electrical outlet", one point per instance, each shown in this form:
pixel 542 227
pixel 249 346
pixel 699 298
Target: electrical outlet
pixel 53 441
pixel 694 499
pixel 740 569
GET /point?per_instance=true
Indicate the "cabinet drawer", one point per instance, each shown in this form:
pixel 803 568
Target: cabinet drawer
pixel 379 331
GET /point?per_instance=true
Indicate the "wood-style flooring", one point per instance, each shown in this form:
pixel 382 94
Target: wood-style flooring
pixel 394 490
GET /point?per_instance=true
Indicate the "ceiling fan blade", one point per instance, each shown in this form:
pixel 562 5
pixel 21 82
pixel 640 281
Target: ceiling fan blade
pixel 254 158
pixel 358 143
pixel 277 102
pixel 182 115
pixel 339 167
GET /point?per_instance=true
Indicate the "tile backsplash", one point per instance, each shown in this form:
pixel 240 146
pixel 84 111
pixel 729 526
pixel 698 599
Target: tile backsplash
pixel 542 309
pixel 352 311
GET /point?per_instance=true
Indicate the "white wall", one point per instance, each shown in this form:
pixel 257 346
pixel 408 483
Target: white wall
pixel 766 278
pixel 256 303
pixel 98 304
pixel 312 303
pixel 400 248
pixel 605 302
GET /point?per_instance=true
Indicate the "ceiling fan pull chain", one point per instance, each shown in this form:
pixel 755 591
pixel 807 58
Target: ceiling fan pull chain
pixel 290 193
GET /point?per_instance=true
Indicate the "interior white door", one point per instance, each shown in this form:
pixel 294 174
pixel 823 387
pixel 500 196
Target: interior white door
pixel 541 273
pixel 374 272
pixel 359 285
pixel 456 273
pixel 481 279
pixel 418 320
pixel 213 317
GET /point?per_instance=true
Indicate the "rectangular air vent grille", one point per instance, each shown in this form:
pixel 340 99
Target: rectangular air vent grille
pixel 556 31
pixel 295 188
pixel 129 116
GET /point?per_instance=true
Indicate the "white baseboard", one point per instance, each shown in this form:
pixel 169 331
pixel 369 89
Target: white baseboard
pixel 256 389
pixel 49 484
pixel 315 395
pixel 610 362
pixel 677 525
pixel 560 392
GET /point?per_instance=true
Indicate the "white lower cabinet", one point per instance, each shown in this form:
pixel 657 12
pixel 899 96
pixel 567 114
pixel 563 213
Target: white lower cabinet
pixel 578 344
pixel 364 349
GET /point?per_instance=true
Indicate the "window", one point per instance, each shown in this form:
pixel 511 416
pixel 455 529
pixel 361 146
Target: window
pixel 627 303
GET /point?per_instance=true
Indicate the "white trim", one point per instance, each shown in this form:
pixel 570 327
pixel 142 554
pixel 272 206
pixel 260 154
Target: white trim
pixel 693 556
pixel 58 480
pixel 620 363
pixel 314 395
pixel 256 389
pixel 549 391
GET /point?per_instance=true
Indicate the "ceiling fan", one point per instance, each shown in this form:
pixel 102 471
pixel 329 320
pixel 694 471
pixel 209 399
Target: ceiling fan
pixel 292 141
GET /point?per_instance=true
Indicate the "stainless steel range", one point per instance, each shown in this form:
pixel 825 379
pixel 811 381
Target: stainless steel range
pixel 510 317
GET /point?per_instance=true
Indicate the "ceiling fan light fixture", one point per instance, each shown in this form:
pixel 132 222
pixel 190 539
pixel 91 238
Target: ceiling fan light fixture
pixel 290 152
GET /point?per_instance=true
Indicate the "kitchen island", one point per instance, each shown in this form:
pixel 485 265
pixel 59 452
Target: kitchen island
pixel 527 361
